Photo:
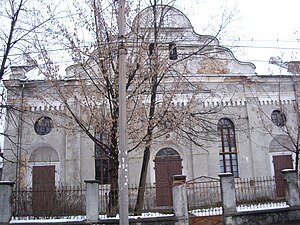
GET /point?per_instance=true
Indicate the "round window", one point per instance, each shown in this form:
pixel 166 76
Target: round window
pixel 43 125
pixel 278 118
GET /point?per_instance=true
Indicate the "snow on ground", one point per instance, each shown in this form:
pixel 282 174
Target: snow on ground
pixel 48 220
pixel 196 212
pixel 262 206
pixel 16 220
pixel 240 208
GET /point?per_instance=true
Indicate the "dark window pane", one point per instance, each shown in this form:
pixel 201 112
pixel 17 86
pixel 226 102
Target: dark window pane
pixel 151 48
pixel 278 118
pixel 167 152
pixel 172 51
pixel 102 161
pixel 43 125
pixel 228 151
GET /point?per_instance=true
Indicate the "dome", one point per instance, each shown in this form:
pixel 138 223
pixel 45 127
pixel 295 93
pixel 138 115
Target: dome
pixel 167 17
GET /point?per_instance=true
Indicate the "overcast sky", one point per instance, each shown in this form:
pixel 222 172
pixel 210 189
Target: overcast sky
pixel 259 28
pixel 266 27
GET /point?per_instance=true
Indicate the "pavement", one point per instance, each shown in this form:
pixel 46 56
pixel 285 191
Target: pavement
pixel 289 223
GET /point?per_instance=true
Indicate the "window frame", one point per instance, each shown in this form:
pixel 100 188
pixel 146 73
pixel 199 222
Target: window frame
pixel 278 118
pixel 151 48
pixel 173 55
pixel 228 154
pixel 102 161
pixel 43 125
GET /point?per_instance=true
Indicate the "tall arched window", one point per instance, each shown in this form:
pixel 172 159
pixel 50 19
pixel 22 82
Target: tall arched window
pixel 102 161
pixel 228 150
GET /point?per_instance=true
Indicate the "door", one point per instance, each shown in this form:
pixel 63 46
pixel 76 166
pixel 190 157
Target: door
pixel 43 194
pixel 167 164
pixel 280 163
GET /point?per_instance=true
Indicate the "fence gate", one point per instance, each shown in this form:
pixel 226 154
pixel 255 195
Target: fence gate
pixel 43 195
pixel 281 162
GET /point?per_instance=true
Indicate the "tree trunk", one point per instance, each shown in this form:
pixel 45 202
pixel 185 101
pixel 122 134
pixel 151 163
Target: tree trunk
pixel 154 65
pixel 297 160
pixel 112 209
pixel 142 184
pixel 146 157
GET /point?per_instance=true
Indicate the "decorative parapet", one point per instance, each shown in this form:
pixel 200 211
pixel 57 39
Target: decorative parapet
pixel 44 108
pixel 276 102
pixel 232 103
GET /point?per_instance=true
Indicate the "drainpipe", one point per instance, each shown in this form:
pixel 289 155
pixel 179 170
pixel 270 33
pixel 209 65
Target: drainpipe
pixel 192 156
pixel 249 133
pixel 298 124
pixel 19 177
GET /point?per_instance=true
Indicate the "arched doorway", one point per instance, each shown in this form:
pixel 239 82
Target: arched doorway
pixel 167 164
pixel 43 162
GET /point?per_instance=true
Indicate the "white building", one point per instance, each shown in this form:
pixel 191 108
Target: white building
pixel 250 133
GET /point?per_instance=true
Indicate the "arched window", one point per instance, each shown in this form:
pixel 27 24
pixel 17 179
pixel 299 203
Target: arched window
pixel 102 161
pixel 228 150
pixel 167 153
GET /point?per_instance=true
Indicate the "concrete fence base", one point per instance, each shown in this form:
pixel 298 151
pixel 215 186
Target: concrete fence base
pixel 92 200
pixel 180 205
pixel 6 201
pixel 263 217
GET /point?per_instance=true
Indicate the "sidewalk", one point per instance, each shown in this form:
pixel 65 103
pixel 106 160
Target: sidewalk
pixel 289 223
pixel 167 220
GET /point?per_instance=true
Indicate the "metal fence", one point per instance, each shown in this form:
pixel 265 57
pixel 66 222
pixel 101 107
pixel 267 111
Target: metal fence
pixel 149 202
pixel 256 190
pixel 203 192
pixel 44 202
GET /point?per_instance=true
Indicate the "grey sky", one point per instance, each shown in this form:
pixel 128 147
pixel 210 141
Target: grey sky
pixel 263 27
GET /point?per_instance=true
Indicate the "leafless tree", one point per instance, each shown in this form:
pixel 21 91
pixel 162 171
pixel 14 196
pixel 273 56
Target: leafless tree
pixel 283 123
pixel 22 21
pixel 156 79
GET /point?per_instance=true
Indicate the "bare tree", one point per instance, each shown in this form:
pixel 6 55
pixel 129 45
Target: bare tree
pixel 164 117
pixel 157 78
pixel 291 131
pixel 282 124
pixel 22 21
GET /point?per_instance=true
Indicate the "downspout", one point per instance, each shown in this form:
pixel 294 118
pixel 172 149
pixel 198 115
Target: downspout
pixel 249 133
pixel 298 124
pixel 19 166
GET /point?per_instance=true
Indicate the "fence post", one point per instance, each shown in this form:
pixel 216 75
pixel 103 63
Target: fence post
pixel 92 200
pixel 228 193
pixel 291 187
pixel 180 205
pixel 6 201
